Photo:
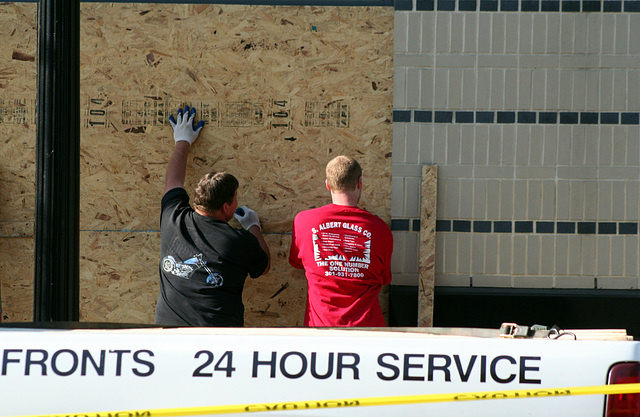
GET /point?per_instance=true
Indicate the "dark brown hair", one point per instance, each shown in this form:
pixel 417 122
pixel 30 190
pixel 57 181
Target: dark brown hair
pixel 214 189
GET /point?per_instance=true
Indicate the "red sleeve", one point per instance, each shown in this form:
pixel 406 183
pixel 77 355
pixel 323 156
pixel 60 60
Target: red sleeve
pixel 294 258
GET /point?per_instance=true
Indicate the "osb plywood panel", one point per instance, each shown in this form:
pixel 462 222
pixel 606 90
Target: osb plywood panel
pixel 18 50
pixel 16 285
pixel 111 294
pixel 281 89
pixel 122 290
pixel 426 285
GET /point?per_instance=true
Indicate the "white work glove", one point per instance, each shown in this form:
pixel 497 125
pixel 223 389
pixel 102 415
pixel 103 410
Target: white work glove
pixel 183 128
pixel 247 217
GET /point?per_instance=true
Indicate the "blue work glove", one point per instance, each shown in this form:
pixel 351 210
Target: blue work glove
pixel 183 128
pixel 247 217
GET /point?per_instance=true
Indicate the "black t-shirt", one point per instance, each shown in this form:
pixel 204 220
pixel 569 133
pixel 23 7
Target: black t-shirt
pixel 204 263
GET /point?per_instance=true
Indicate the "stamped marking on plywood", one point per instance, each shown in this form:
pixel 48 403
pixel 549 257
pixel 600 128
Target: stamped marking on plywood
pixel 332 114
pixel 17 111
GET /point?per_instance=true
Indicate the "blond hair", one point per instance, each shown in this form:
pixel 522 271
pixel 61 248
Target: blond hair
pixel 343 173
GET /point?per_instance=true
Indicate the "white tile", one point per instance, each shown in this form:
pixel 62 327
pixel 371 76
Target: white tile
pixel 574 282
pixel 413 194
pixel 479 199
pixel 477 253
pixel 630 256
pixel 533 282
pixel 553 32
pixel 492 281
pixel 450 280
pixel 412 144
pixel 539 29
pixel 512 33
pixel 594 33
pixel 443 31
pixel 575 255
pixel 413 88
pixel 464 253
pixel 411 255
pixel 603 259
pixel 505 262
pixel 399 88
pixel 397 196
pixel 400 33
pixel 405 279
pixel 622 34
pixel 414 26
pixel 538 87
pixel 491 254
pixel 457 33
pixel 470 33
pixel 580 33
pixel 617 256
pixel 589 255
pixel 469 89
pixel 426 88
pixel 496 26
pixel 519 263
pixel 618 283
pixel 620 88
pixel 426 144
pixel 466 199
pixel 567 34
pixel 428 32
pixel 533 255
pixel 547 255
pixel 525 33
pixel 534 199
pixel 506 199
pixel 397 258
pixel 451 198
pixel 576 200
pixel 451 253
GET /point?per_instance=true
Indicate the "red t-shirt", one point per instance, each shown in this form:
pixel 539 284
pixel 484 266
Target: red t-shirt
pixel 346 254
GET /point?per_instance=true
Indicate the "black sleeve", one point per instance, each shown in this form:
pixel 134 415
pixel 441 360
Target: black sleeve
pixel 258 259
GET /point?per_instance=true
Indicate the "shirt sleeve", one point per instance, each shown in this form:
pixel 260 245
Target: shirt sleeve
pixel 260 259
pixel 294 257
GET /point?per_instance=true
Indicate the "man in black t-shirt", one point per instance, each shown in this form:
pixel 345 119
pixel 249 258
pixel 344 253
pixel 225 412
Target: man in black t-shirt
pixel 204 261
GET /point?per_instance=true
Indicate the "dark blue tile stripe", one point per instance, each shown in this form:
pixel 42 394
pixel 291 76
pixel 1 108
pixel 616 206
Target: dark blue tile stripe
pixel 520 117
pixel 567 6
pixel 522 226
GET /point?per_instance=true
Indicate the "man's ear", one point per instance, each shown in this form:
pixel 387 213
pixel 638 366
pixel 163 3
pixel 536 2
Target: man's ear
pixel 226 208
pixel 360 183
pixel 326 183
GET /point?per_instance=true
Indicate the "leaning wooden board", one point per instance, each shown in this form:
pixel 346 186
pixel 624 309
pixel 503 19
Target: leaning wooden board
pixel 282 89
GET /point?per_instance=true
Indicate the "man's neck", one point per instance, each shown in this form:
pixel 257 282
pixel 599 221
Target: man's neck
pixel 218 214
pixel 348 198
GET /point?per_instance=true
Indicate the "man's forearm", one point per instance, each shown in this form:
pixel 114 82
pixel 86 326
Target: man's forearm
pixel 257 232
pixel 177 166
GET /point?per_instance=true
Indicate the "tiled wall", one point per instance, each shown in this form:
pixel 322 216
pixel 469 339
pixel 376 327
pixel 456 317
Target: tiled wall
pixel 531 110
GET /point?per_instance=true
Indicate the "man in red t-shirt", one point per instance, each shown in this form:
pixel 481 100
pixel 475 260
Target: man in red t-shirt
pixel 345 252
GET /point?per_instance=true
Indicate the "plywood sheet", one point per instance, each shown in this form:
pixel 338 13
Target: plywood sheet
pixel 426 284
pixel 16 283
pixel 282 90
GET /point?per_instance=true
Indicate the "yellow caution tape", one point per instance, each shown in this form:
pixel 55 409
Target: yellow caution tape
pixel 361 402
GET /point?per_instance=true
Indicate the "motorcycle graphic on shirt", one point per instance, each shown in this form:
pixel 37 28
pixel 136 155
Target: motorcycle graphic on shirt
pixel 187 268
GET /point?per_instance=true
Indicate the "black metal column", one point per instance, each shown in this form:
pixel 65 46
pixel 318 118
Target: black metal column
pixel 56 296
